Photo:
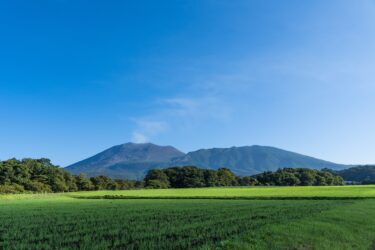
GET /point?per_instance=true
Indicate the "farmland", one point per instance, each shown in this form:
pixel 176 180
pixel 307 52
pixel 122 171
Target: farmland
pixel 243 192
pixel 209 218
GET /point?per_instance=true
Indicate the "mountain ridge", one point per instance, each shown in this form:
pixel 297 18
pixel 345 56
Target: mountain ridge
pixel 132 160
pixel 249 160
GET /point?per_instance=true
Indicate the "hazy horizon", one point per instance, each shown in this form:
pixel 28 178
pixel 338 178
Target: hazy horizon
pixel 79 77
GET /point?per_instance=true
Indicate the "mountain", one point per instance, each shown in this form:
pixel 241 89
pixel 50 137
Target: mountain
pixel 129 160
pixel 361 174
pixel 132 161
pixel 250 160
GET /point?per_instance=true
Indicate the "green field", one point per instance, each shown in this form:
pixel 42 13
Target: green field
pixel 198 221
pixel 242 192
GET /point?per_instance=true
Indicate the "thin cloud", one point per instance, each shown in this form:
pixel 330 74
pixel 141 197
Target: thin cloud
pixel 139 138
pixel 146 129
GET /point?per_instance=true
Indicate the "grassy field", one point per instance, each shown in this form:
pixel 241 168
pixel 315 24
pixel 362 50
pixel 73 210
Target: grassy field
pixel 64 221
pixel 242 192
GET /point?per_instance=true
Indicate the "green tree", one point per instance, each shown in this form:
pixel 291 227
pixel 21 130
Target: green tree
pixel 226 177
pixel 156 178
pixel 83 183
pixel 247 181
pixel 210 178
pixel 103 183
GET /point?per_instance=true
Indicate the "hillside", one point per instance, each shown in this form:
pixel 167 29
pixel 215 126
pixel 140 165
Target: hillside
pixel 132 161
pixel 129 160
pixel 363 174
pixel 250 160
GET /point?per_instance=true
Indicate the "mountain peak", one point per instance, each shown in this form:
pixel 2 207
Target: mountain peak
pixel 127 154
pixel 144 144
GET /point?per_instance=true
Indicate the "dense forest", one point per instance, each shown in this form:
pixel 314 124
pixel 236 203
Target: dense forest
pixel 29 175
pixel 191 176
pixel 299 177
pixel 40 175
pixel 361 174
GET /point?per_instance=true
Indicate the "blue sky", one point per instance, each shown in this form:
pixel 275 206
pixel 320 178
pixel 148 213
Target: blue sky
pixel 77 76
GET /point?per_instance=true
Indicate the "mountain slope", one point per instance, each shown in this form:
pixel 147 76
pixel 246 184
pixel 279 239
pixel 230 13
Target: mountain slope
pixel 130 160
pixel 251 160
pixel 362 174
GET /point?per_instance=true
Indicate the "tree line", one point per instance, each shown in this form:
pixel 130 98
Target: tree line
pixel 40 175
pixel 357 175
pixel 299 177
pixel 191 176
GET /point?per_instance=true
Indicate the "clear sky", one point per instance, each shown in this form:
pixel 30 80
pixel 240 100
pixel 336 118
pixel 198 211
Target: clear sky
pixel 77 77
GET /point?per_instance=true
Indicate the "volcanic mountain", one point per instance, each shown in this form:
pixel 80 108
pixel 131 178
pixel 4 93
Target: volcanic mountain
pixel 129 160
pixel 132 160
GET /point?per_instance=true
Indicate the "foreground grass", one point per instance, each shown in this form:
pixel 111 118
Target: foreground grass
pixel 344 227
pixel 61 221
pixel 141 224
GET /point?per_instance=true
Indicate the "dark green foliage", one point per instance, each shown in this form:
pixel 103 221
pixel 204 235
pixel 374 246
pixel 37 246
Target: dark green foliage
pixel 226 178
pixel 156 178
pixel 210 177
pixel 103 183
pixel 83 183
pixel 361 174
pixel 41 176
pixel 35 175
pixel 298 177
pixel 247 181
pixel 122 184
pixel 156 184
pixel 190 176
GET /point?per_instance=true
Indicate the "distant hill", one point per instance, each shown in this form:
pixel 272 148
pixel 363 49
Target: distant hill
pixel 132 161
pixel 361 174
pixel 129 160
pixel 250 160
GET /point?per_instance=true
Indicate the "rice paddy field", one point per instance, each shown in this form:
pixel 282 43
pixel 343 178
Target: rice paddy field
pixel 241 192
pixel 207 218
